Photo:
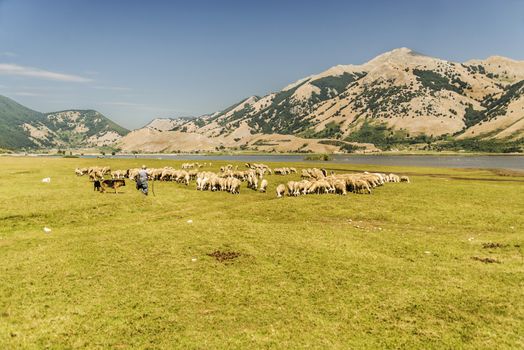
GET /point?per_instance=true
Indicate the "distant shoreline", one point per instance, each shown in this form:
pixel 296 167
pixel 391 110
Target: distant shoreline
pixel 266 154
pixel 457 160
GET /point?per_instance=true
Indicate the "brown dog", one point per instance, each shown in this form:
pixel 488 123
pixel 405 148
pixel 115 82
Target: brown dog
pixel 106 184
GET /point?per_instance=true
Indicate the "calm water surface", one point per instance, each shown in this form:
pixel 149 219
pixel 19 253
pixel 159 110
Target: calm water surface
pixel 451 161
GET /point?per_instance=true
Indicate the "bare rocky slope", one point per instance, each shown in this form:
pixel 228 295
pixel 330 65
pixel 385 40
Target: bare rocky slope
pixel 398 98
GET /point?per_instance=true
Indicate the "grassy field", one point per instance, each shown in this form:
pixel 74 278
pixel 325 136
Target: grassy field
pixel 394 269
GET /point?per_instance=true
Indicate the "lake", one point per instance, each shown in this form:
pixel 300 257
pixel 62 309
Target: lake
pixel 514 162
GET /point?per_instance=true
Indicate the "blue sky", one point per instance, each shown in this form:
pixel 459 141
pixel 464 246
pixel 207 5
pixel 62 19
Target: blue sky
pixel 137 60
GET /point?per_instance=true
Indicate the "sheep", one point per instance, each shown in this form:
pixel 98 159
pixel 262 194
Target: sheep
pixel 323 186
pixel 235 186
pixel 290 187
pixel 214 183
pixel 252 181
pixel 96 173
pixel 284 171
pixel 200 183
pixel 192 165
pixel 340 187
pixel 80 171
pixel 167 175
pixel 230 179
pixel 156 174
pixel 362 186
pixel 281 190
pixel 222 183
pixel 394 178
pixel 192 174
pixel 118 174
pixel 296 189
pixel 316 173
pixel 263 186
pixel 132 173
pixel 306 185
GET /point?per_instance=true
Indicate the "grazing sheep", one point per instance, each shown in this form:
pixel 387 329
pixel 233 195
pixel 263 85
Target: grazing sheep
pixel 235 186
pixel 117 174
pixel 230 178
pixel 362 186
pixel 281 190
pixel 263 186
pixel 252 181
pixel 290 187
pixel 340 187
pixel 297 186
pixel 80 172
pixel 394 178
pixel 96 175
pixel 213 183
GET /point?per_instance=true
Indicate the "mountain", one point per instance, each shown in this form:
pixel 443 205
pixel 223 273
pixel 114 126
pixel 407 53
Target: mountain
pixel 21 127
pixel 167 124
pixel 12 116
pixel 397 99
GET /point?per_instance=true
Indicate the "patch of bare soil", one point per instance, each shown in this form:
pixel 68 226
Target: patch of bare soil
pixel 224 257
pixel 493 245
pixel 486 260
pixel 507 172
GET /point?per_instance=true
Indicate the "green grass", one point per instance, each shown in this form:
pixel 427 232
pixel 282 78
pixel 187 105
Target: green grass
pixel 316 271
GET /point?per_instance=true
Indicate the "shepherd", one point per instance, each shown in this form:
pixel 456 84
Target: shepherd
pixel 141 180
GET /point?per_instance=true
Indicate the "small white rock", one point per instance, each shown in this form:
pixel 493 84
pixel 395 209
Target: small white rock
pixel 46 180
pixel 427 252
pixel 47 230
pixel 193 259
pixel 189 221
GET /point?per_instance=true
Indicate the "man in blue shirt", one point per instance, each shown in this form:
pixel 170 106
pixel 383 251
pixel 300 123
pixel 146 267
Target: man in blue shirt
pixel 141 180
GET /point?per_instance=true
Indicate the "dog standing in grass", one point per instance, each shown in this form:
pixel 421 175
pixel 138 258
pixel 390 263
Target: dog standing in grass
pixel 103 185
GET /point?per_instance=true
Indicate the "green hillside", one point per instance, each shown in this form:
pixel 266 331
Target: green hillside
pixel 68 128
pixel 12 116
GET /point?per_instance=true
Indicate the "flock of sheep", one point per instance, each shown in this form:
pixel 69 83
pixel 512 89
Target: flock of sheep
pixel 318 182
pixel 230 179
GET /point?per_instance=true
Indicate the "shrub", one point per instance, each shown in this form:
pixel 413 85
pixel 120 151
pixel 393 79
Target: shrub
pixel 321 157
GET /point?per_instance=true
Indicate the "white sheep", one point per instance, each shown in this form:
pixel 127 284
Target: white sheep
pixel 281 190
pixel 263 186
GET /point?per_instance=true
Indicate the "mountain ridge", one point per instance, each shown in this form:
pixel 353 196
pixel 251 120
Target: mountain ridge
pixel 403 95
pixel 24 128
pixel 398 99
